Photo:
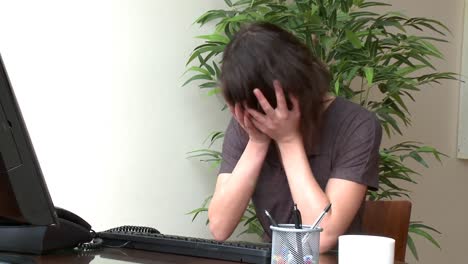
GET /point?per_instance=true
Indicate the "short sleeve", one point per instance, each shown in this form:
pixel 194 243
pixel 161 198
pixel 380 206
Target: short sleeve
pixel 357 151
pixel 235 141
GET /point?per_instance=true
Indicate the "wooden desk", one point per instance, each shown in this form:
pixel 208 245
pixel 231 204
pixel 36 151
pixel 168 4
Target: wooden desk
pixel 122 256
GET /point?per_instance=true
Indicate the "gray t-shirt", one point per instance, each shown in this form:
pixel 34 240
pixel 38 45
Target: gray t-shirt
pixel 348 149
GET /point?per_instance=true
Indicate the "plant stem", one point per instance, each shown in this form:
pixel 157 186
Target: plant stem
pixel 367 96
pixel 362 87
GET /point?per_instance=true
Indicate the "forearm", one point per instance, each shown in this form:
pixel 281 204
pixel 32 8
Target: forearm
pixel 306 192
pixel 233 194
pixel 345 196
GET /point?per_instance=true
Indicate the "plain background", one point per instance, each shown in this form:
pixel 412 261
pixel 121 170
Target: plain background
pixel 99 84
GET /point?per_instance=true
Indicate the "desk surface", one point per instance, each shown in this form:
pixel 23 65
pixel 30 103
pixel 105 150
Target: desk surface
pixel 124 256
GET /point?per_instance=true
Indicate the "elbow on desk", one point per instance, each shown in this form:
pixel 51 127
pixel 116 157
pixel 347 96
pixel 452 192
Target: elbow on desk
pixel 327 242
pixel 218 230
pixel 218 234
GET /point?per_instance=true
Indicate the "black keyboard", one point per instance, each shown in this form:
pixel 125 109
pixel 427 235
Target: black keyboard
pixel 245 252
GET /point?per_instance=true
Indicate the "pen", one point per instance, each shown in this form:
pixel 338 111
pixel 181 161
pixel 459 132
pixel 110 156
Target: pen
pixel 275 224
pixel 298 225
pixel 320 218
pixel 317 221
pixel 272 221
pixel 297 217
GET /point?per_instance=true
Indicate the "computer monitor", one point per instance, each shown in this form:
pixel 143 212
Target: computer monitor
pixel 29 222
pixel 24 197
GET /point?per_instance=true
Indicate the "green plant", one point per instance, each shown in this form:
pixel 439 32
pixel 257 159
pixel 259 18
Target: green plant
pixel 377 59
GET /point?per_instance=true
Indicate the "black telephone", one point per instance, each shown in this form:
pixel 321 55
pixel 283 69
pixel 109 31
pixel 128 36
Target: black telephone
pixel 71 231
pixel 71 217
pixel 92 242
pixel 96 242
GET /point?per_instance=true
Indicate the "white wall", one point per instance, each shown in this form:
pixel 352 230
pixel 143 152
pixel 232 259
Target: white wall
pixel 99 84
pixel 462 148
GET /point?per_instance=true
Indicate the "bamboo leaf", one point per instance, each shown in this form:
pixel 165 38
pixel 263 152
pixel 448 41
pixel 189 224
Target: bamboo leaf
pixel 210 69
pixel 419 225
pixel 207 200
pixel 213 152
pixel 369 4
pixel 400 101
pixel 213 49
pixel 442 25
pixel 248 221
pixel 198 69
pixel 358 2
pixel 208 85
pixel 337 87
pixel 362 14
pixel 238 18
pixel 217 70
pixel 408 70
pixel 242 2
pixel 419 159
pixel 425 235
pixel 353 39
pixel 390 120
pixel 194 55
pixel 209 16
pixel 412 247
pixel 426 149
pixel 369 72
pixel 215 136
pixel 215 38
pixel 196 212
pixel 433 49
pixel 198 77
pixel 214 91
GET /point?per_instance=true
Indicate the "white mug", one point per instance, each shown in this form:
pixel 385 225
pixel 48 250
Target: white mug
pixel 361 249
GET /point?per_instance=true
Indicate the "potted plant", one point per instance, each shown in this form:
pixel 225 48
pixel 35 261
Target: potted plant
pixel 375 59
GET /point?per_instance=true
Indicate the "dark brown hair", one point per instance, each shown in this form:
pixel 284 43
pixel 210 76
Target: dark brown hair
pixel 260 53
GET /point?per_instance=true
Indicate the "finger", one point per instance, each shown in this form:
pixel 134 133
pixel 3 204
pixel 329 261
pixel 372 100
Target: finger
pixel 259 126
pixel 248 123
pixel 239 114
pixel 264 104
pixel 280 99
pixel 256 115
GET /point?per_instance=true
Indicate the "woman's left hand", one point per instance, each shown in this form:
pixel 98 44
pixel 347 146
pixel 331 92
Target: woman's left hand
pixel 280 124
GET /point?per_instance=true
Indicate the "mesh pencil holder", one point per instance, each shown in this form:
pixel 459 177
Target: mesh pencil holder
pixel 295 246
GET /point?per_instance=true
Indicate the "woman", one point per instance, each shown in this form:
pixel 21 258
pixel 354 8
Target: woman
pixel 289 141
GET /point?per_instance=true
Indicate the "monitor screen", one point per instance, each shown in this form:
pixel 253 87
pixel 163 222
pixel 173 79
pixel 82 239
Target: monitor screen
pixel 24 198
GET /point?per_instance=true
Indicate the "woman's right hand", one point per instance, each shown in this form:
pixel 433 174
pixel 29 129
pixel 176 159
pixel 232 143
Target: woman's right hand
pixel 245 121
